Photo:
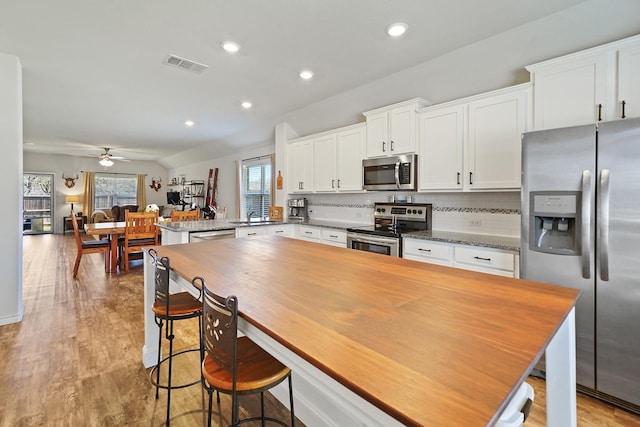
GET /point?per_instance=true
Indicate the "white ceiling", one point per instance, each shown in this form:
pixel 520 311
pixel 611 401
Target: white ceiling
pixel 93 74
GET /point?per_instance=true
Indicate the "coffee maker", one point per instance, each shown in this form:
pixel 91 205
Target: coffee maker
pixel 297 208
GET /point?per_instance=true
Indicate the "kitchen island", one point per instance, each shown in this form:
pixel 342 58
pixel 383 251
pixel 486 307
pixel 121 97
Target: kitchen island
pixel 376 340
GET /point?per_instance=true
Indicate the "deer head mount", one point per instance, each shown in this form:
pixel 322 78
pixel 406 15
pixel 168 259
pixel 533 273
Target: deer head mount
pixel 155 184
pixel 70 182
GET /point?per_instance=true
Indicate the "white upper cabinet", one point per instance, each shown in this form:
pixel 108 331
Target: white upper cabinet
pixel 392 130
pixel 629 81
pixel 474 143
pixel 588 86
pixel 324 163
pixel 496 125
pixel 349 156
pixel 300 166
pixel 337 160
pixel 441 145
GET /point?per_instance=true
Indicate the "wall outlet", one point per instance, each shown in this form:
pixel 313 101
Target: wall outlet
pixel 474 223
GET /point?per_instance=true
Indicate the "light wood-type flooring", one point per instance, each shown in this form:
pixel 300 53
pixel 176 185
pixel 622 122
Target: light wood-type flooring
pixel 74 360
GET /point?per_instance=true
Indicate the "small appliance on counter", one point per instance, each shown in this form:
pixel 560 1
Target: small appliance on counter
pixel 297 208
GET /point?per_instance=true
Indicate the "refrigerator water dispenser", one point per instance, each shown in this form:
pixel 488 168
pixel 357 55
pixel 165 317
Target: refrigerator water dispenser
pixel 555 221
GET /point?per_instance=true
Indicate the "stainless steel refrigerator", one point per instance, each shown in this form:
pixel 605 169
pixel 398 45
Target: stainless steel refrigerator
pixel 581 229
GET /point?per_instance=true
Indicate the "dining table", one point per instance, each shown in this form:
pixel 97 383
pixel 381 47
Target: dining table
pixel 113 229
pixel 374 340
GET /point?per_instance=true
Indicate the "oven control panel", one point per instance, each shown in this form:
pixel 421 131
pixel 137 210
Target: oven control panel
pixel 404 211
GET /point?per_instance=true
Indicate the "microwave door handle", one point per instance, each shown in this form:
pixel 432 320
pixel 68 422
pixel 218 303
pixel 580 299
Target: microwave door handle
pixel 397 174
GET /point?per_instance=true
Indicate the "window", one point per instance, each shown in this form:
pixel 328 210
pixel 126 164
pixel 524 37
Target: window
pixel 37 201
pixel 114 190
pixel 256 186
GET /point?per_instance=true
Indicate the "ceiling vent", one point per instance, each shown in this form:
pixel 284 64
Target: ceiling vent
pixel 185 64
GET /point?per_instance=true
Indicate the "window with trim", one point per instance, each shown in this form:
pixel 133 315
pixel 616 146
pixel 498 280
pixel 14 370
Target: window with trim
pixel 256 187
pixel 111 190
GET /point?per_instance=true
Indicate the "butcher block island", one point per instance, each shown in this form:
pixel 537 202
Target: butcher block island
pixel 378 340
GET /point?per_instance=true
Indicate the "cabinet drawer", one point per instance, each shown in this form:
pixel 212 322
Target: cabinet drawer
pixel 251 231
pixel 484 257
pixel 281 230
pixel 427 249
pixel 310 233
pixel 334 236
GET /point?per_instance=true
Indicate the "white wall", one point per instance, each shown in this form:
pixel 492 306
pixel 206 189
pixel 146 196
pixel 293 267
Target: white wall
pixel 11 177
pixel 70 166
pixel 226 194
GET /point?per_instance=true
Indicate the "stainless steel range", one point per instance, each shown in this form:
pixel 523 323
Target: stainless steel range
pixel 391 220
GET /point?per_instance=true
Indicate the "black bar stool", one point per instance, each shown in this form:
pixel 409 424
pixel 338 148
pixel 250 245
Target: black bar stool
pixel 168 308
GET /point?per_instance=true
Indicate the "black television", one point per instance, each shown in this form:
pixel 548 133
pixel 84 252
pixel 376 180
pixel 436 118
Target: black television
pixel 173 197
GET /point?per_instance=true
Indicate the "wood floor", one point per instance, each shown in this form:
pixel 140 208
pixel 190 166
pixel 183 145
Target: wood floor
pixel 74 360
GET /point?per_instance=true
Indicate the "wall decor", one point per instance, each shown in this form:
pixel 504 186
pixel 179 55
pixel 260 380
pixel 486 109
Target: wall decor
pixel 69 182
pixel 155 184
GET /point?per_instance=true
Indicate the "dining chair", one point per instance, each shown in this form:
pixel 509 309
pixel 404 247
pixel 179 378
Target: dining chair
pixel 235 365
pixel 140 230
pixel 169 308
pixel 178 216
pixel 91 246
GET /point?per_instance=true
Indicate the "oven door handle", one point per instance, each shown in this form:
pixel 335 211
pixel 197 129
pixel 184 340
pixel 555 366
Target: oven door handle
pixel 369 239
pixel 397 174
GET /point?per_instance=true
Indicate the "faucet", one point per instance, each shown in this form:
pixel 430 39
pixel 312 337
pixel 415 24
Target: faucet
pixel 250 214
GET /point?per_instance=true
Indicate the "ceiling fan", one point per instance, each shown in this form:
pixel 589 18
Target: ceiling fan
pixel 106 158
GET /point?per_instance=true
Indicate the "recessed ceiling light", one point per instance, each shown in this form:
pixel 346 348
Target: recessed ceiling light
pixel 230 46
pixel 397 29
pixel 306 74
pixel 189 123
pixel 246 105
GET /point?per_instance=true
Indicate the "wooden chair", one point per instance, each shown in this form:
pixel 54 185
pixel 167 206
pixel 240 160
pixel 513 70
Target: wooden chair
pixel 235 365
pixel 178 216
pixel 169 308
pixel 140 230
pixel 89 246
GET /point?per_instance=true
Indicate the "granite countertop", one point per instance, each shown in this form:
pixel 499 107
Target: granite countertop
pixel 483 240
pixel 227 224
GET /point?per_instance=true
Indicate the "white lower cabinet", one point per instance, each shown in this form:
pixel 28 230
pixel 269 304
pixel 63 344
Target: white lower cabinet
pixel 327 236
pixel 481 259
pixel 427 251
pixel 333 237
pixel 485 260
pixel 252 231
pixel 285 230
pixel 306 232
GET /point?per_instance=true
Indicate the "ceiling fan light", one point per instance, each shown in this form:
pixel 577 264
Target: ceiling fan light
pixel 106 162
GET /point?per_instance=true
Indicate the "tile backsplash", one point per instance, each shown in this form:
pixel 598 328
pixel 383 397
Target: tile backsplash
pixel 479 213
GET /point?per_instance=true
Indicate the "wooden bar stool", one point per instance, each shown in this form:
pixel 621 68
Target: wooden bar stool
pixel 235 365
pixel 168 308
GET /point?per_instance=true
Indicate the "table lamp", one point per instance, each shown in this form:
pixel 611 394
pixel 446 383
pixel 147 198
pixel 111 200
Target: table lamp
pixel 71 198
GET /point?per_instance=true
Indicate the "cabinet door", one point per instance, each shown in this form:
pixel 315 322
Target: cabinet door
pixel 301 166
pixel 402 130
pixel 377 135
pixel 440 147
pixel 324 163
pixel 349 159
pixel 570 93
pixel 629 81
pixel 496 125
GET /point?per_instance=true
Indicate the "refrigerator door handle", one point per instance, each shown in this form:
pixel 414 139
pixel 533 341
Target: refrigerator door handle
pixel 586 224
pixel 603 225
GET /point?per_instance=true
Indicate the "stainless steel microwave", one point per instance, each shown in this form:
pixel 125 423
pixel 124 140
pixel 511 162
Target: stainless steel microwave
pixel 391 173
